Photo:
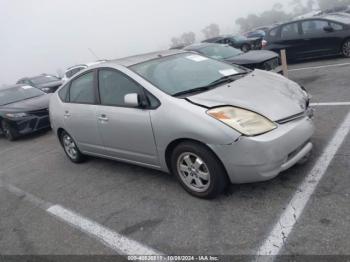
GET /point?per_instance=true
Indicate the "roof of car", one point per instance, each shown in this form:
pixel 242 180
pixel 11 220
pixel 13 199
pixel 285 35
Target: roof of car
pixel 137 59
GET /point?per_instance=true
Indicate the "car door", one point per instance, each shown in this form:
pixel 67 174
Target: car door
pixel 316 40
pixel 80 113
pixel 290 40
pixel 126 131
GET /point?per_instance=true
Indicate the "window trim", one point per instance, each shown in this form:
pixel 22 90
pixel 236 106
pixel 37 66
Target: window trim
pixel 94 87
pixel 143 91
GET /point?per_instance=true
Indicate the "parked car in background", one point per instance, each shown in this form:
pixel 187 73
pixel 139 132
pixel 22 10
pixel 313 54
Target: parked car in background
pixel 337 9
pixel 75 69
pixel 46 83
pixel 255 59
pixel 23 110
pixel 237 41
pixel 207 121
pixel 313 37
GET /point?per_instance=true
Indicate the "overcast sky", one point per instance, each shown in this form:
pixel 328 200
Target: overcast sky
pixel 41 36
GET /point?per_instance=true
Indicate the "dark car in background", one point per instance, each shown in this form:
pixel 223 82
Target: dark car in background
pixel 256 59
pixel 312 37
pixel 237 41
pixel 46 83
pixel 23 110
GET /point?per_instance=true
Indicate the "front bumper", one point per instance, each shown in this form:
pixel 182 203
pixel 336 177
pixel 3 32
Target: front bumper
pixel 260 158
pixel 30 124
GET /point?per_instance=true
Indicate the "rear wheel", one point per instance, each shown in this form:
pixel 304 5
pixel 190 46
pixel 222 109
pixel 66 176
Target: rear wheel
pixel 198 170
pixel 346 48
pixel 70 148
pixel 9 132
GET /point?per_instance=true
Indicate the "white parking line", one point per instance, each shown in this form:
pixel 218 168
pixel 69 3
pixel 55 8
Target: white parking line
pixel 119 243
pixel 280 232
pixel 318 67
pixel 331 104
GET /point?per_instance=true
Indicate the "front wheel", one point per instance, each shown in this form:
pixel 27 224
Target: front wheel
pixel 198 170
pixel 10 133
pixel 70 148
pixel 245 48
pixel 346 48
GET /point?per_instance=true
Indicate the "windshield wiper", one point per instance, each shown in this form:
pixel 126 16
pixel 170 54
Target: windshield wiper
pixel 194 90
pixel 221 80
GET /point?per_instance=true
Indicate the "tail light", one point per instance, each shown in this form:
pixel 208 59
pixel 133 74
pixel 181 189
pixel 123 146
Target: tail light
pixel 263 43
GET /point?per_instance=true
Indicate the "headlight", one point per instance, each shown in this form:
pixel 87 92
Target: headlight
pixel 16 115
pixel 45 89
pixel 244 121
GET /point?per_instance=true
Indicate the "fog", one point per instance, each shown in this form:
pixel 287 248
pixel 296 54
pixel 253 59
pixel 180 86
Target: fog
pixel 43 36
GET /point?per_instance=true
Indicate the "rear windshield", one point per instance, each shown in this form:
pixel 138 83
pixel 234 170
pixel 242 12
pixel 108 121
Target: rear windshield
pixel 220 51
pixel 16 94
pixel 43 79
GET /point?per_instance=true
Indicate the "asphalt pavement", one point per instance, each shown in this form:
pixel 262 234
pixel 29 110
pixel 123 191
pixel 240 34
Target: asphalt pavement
pixel 49 205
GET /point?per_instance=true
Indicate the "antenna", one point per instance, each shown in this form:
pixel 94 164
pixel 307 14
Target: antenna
pixel 93 53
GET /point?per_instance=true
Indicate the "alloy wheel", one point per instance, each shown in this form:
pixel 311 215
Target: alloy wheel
pixel 193 172
pixel 346 48
pixel 70 146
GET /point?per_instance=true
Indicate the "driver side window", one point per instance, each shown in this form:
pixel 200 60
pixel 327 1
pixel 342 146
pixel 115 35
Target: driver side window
pixel 114 85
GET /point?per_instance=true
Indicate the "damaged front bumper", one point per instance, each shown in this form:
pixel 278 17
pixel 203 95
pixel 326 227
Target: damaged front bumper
pixel 263 157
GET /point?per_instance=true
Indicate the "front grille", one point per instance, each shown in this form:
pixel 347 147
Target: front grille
pixel 271 64
pixel 43 123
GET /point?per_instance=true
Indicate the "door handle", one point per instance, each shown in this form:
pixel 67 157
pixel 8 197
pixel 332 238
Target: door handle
pixel 103 118
pixel 67 114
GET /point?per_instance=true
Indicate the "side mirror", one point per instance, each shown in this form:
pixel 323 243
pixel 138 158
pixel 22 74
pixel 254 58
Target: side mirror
pixel 132 100
pixel 328 29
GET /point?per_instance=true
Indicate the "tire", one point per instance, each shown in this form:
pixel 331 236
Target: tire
pixel 70 148
pixel 198 170
pixel 10 133
pixel 345 49
pixel 245 48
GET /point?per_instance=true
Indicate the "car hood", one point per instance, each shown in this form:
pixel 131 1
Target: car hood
pixel 266 93
pixel 50 84
pixel 32 104
pixel 252 57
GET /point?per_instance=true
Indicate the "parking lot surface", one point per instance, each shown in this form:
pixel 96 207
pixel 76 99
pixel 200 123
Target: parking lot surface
pixel 152 211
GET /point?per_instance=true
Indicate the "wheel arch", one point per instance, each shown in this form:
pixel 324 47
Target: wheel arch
pixel 172 145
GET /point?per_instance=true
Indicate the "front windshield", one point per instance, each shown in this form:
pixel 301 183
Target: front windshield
pixel 183 72
pixel 16 94
pixel 220 51
pixel 43 79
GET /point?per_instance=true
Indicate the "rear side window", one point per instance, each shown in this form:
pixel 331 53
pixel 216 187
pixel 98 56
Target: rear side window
pixel 314 26
pixel 114 85
pixel 290 31
pixel 82 89
pixel 63 93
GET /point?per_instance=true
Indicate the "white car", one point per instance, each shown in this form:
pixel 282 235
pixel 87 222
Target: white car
pixel 71 71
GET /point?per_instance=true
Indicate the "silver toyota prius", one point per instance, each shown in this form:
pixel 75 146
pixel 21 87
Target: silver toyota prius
pixel 208 122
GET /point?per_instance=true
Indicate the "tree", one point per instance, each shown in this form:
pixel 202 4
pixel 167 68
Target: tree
pixel 185 39
pixel 211 31
pixel 266 18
